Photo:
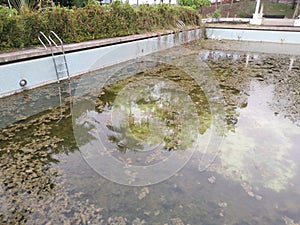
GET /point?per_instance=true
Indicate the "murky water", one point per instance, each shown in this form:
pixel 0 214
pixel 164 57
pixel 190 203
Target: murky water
pixel 191 135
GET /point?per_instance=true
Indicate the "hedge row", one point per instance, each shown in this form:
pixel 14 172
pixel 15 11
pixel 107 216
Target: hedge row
pixel 18 30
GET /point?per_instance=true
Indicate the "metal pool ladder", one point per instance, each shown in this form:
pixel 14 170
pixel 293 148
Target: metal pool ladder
pixel 58 57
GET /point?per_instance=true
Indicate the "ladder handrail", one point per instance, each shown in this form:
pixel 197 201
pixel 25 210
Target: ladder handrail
pixel 56 36
pixel 62 49
pixel 51 42
pixel 180 24
pixel 44 36
pixel 52 53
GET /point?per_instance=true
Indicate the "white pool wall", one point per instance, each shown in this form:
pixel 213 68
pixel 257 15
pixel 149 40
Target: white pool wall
pixel 260 35
pixel 41 71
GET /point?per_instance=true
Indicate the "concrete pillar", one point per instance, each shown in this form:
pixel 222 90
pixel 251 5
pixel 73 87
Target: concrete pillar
pixel 257 16
pixel 257 7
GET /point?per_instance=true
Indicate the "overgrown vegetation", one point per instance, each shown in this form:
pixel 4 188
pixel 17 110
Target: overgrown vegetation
pixel 18 30
pixel 195 4
pixel 272 8
pixel 35 4
pixel 216 14
pixel 246 8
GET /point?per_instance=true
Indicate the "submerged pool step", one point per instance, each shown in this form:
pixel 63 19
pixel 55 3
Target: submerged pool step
pixel 61 68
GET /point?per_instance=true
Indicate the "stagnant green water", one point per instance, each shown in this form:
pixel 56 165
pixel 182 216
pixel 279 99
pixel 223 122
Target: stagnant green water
pixel 199 136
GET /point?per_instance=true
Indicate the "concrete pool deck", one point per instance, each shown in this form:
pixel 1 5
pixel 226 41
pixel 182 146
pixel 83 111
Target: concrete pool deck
pixel 252 27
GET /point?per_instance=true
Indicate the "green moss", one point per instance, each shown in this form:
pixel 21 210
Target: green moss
pixel 169 117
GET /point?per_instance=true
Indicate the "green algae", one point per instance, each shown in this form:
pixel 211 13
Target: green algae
pixel 160 115
pixel 255 158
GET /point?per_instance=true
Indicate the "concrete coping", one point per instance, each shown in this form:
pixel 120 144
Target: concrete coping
pixel 35 52
pixel 39 51
pixel 252 27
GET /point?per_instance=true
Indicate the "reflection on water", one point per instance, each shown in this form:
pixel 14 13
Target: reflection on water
pixel 149 116
pixel 261 136
pixel 145 110
pixel 158 113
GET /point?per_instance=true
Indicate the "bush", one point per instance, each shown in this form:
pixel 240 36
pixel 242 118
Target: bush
pixel 11 29
pixel 33 23
pixel 216 14
pixel 90 22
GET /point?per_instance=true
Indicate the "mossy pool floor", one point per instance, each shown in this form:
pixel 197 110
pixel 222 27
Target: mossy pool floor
pixel 160 108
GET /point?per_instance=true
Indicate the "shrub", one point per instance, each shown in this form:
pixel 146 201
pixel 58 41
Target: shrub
pixel 11 29
pixel 90 22
pixel 33 22
pixel 216 14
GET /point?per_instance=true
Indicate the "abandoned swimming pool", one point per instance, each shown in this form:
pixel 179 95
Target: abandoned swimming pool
pixel 196 134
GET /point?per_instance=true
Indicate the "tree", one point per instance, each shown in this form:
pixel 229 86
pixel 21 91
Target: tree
pixel 196 4
pixel 3 2
pixel 70 3
pixel 200 3
pixel 18 4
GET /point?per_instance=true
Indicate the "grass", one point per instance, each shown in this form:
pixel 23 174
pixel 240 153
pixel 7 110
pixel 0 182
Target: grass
pixel 272 8
pixel 246 8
